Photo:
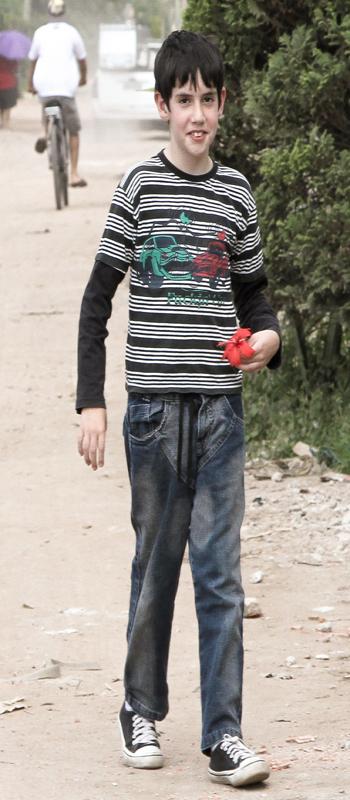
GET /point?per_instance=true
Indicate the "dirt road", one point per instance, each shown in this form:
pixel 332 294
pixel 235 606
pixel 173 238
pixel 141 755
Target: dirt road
pixel 67 541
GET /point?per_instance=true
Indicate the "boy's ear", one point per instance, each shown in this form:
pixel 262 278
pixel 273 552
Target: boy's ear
pixel 162 107
pixel 223 96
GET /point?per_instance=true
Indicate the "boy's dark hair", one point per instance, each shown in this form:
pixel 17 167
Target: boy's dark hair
pixel 180 57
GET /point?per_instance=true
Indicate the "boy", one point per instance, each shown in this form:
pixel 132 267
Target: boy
pixel 187 227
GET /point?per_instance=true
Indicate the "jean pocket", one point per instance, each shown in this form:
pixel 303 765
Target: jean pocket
pixel 235 403
pixel 145 416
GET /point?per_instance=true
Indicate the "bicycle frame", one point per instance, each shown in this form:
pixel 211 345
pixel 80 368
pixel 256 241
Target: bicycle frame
pixel 57 152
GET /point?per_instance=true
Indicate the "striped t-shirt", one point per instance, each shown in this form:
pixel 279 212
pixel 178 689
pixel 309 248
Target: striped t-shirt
pixel 181 236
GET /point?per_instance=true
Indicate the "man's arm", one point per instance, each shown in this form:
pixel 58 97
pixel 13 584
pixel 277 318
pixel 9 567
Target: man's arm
pixel 82 64
pixel 30 87
pixel 96 308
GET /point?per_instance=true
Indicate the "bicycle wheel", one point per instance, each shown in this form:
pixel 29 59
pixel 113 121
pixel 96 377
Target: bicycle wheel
pixel 55 164
pixel 64 179
pixel 64 174
pixel 63 161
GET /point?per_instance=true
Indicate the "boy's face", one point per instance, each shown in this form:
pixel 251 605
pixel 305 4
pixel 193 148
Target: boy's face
pixel 193 114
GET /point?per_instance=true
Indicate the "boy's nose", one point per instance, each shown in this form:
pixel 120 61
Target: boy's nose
pixel 197 112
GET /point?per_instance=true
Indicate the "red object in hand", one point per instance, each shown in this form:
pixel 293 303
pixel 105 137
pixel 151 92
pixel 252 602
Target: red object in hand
pixel 237 346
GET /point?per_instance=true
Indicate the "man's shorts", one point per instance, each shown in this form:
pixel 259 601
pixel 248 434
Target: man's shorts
pixel 69 112
pixel 8 98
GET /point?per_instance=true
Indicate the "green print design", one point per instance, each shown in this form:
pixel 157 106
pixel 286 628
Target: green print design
pixel 162 257
pixel 195 298
pixel 159 251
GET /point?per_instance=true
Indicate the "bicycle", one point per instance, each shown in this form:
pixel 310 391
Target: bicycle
pixel 57 148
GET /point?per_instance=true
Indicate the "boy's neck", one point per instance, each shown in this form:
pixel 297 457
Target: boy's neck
pixel 187 163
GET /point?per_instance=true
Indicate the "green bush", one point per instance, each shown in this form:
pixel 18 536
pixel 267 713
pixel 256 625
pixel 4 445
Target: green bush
pixel 279 413
pixel 11 14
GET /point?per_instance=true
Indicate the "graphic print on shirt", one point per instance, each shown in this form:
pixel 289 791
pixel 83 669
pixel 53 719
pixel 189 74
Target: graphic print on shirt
pixel 213 263
pixel 163 258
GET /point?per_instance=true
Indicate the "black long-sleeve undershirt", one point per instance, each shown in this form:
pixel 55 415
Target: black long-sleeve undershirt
pixel 96 309
pixel 253 310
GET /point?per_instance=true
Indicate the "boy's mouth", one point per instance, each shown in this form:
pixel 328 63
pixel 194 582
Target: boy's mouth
pixel 197 136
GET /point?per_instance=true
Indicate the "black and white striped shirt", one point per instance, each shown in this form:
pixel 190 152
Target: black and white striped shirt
pixel 183 238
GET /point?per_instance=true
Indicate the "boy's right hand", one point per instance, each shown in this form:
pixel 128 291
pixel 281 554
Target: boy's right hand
pixel 92 436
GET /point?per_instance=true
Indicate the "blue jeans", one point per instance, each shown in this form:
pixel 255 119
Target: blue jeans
pixel 185 456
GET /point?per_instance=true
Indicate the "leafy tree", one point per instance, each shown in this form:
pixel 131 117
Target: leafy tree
pixel 287 127
pixel 299 106
pixel 155 15
pixel 11 12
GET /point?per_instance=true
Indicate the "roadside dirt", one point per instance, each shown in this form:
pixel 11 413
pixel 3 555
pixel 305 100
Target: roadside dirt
pixel 67 541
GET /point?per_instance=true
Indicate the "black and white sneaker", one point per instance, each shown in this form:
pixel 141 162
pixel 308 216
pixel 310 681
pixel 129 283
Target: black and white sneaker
pixel 140 741
pixel 232 762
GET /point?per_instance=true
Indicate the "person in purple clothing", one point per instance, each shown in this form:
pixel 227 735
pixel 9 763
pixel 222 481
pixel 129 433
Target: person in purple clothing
pixel 8 89
pixel 175 221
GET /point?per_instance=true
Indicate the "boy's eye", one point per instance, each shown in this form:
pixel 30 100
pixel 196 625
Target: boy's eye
pixel 207 100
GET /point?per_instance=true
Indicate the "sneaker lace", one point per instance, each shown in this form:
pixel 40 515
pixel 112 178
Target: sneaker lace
pixel 144 730
pixel 235 748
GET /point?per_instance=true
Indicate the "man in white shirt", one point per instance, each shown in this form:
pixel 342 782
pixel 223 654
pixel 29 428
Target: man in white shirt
pixel 58 66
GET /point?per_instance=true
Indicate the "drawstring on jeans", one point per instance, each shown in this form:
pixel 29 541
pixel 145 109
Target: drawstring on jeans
pixel 191 436
pixel 180 437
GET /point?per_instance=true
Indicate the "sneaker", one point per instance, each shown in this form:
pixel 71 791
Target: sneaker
pixel 232 762
pixel 140 741
pixel 40 145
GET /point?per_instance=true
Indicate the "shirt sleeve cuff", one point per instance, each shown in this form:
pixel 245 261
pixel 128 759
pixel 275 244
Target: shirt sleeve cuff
pixel 82 403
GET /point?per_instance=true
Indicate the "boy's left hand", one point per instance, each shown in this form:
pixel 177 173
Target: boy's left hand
pixel 265 344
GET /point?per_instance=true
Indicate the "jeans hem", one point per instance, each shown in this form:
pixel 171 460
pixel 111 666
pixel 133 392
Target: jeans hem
pixel 212 738
pixel 143 710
